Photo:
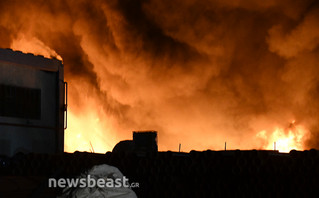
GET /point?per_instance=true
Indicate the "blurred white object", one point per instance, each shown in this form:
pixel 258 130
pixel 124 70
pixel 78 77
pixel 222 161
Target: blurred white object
pixel 100 172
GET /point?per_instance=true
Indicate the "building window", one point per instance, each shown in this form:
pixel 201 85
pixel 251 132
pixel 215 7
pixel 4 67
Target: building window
pixel 20 102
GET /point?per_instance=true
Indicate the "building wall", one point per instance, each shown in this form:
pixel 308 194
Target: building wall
pixel 36 133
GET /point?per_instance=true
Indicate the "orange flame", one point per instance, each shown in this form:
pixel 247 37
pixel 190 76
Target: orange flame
pixel 84 132
pixel 34 46
pixel 88 127
pixel 285 139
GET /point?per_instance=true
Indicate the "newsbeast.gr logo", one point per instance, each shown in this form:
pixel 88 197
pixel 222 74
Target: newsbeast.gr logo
pixel 91 182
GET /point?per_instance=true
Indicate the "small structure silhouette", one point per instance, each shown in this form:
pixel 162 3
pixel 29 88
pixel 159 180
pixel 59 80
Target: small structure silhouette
pixel 144 142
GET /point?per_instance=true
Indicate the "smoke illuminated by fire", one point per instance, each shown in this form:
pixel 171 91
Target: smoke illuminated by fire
pixel 199 72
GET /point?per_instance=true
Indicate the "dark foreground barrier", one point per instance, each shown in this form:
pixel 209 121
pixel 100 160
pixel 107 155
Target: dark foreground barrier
pixel 169 174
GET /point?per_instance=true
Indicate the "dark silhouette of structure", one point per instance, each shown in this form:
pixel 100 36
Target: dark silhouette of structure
pixel 143 143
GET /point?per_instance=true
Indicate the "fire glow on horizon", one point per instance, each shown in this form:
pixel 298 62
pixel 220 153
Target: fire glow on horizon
pixel 285 139
pixel 245 72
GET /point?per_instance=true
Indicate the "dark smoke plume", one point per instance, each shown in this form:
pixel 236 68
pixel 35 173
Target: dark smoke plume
pixel 199 72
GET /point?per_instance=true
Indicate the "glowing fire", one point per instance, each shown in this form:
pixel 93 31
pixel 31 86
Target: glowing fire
pixel 84 134
pixel 34 46
pixel 86 131
pixel 285 139
pixel 199 79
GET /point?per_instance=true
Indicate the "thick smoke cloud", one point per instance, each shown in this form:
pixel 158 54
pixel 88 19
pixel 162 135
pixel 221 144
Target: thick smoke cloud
pixel 201 73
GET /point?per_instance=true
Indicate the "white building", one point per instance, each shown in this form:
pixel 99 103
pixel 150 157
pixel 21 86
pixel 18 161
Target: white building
pixel 32 103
